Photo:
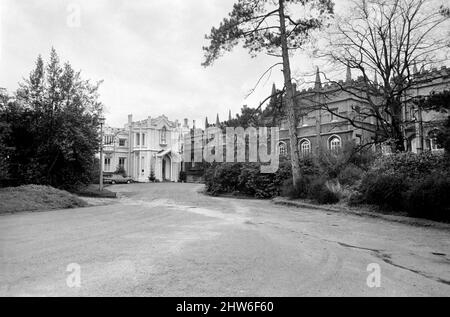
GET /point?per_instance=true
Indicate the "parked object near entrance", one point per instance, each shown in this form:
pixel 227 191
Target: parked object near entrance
pixel 117 179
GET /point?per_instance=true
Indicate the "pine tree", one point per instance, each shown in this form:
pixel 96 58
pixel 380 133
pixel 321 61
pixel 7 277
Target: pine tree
pixel 269 26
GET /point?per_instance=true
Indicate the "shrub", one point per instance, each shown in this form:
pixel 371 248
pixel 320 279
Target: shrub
pixel 355 199
pixel 299 190
pixel 331 163
pixel 350 175
pixel 182 177
pixel 319 192
pixel 430 198
pixel 386 191
pixel 309 165
pixel 222 178
pixel 409 165
pixel 152 177
pixel 245 178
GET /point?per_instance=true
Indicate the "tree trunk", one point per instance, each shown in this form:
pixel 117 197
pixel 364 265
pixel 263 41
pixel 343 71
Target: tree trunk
pixel 396 122
pixel 292 121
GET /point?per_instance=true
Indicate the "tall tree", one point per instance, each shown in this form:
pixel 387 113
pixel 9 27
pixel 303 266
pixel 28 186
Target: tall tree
pixel 54 126
pixel 270 26
pixel 386 41
pixel 5 132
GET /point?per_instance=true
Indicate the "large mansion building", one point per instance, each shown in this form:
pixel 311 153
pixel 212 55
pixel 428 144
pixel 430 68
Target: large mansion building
pixel 143 147
pixel 155 145
pixel 319 129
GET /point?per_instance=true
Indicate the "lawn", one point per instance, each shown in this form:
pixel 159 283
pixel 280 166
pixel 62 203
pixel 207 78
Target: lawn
pixel 36 198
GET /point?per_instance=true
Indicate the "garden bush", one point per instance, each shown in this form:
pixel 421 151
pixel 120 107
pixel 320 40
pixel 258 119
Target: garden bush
pixel 319 191
pixel 386 191
pixel 410 165
pixel 246 179
pixel 430 198
pixel 350 175
pixel 415 183
pixel 332 163
pixel 222 178
pixel 299 190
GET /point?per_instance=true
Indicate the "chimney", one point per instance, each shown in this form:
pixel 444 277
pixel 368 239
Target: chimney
pixel 317 83
pixel 186 123
pixel 217 121
pixel 130 118
pixel 348 77
pixel 193 124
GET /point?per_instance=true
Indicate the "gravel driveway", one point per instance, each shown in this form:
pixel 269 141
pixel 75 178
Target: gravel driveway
pixel 168 239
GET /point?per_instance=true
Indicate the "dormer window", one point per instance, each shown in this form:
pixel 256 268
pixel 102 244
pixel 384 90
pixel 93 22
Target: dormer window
pixel 163 136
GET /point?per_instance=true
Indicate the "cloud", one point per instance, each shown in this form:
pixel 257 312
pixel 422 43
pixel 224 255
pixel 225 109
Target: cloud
pixel 147 52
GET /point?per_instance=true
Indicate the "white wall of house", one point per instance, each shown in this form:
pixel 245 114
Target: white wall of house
pixel 139 148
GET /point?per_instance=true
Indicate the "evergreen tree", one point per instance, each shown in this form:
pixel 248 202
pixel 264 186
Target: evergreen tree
pixel 54 126
pixel 270 27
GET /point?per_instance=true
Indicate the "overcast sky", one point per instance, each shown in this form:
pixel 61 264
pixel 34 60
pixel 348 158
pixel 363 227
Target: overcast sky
pixel 147 52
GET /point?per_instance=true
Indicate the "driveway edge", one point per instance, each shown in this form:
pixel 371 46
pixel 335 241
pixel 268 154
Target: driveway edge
pixel 400 219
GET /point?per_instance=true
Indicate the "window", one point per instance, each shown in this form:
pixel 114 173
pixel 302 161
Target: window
pixel 302 121
pixel 434 145
pixel 282 148
pixel 108 139
pixel 334 142
pixel 122 162
pixel 138 137
pixel 305 147
pixel 143 139
pixel 107 166
pixel 122 142
pixel 163 136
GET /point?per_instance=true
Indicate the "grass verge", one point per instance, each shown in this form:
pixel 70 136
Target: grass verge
pixel 36 198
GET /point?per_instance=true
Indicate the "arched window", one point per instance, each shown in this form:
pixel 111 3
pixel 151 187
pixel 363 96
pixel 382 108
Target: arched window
pixel 282 149
pixel 305 147
pixel 163 136
pixel 334 142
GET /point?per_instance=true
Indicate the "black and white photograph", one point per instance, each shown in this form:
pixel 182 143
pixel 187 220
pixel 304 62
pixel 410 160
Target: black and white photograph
pixel 224 154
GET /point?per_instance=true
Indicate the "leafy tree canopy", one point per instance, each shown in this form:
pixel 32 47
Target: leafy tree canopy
pixel 255 23
pixel 53 123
